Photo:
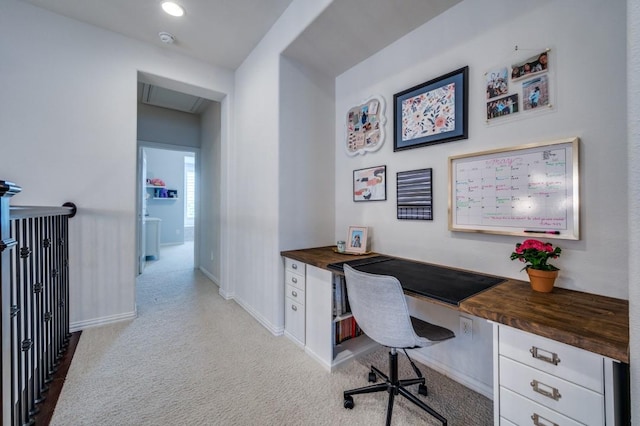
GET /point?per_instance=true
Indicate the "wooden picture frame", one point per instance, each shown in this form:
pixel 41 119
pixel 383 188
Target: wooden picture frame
pixel 370 184
pixel 432 112
pixel 357 241
pixel 528 190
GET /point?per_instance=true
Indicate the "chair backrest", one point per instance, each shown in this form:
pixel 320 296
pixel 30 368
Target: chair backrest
pixel 380 309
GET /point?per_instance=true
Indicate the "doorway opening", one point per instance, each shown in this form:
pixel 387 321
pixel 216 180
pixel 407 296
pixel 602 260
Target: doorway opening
pixel 178 118
pixel 168 208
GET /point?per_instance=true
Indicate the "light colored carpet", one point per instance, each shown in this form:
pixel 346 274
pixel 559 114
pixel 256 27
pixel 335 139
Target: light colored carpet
pixel 173 257
pixel 193 358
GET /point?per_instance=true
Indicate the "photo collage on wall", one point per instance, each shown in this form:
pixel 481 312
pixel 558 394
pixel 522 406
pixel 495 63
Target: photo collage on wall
pixel 364 126
pixel 521 87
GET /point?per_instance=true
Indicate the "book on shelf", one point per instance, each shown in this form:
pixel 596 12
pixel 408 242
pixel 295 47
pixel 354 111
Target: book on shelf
pixel 346 329
pixel 340 299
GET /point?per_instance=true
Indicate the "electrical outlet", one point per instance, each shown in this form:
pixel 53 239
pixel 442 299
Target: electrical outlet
pixel 466 328
pixel 211 255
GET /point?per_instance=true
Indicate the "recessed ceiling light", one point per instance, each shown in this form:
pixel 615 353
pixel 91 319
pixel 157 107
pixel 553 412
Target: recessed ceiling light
pixel 173 9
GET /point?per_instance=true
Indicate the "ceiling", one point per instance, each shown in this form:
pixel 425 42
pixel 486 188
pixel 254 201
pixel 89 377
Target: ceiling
pixel 151 94
pixel 224 32
pixel 349 31
pixel 220 32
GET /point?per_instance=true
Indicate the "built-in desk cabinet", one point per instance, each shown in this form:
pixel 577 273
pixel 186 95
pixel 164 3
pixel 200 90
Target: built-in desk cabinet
pixel 319 320
pixel 294 288
pixel 539 381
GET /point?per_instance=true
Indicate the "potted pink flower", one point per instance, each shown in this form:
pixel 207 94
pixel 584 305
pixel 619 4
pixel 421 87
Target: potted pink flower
pixel 536 254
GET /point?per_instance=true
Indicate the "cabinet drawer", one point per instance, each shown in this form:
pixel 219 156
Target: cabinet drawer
pixel 573 364
pixel 295 280
pixel 294 266
pixel 294 317
pixel 505 422
pixel 295 294
pixel 522 411
pixel 574 401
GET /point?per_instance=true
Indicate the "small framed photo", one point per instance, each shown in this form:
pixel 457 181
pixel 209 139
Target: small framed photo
pixel 535 92
pixel 370 184
pixel 432 112
pixel 534 65
pixel 502 107
pixel 357 240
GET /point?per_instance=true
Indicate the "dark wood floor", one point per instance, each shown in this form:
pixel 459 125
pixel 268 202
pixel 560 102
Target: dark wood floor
pixel 46 408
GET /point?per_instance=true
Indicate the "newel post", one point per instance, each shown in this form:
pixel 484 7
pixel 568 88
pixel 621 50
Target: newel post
pixel 7 190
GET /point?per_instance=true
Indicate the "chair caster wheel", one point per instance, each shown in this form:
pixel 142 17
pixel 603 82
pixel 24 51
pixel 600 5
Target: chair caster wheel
pixel 422 390
pixel 372 377
pixel 348 402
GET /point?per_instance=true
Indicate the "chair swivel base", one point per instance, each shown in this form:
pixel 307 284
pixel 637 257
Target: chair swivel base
pixel 393 386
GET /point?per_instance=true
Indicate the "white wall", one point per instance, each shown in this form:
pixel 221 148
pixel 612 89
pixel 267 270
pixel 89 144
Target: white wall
pixel 588 42
pixel 168 126
pixel 255 265
pixel 633 144
pixel 306 157
pixel 210 194
pixel 68 118
pixel 167 165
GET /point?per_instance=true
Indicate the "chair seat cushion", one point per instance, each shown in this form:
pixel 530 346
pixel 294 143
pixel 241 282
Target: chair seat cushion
pixel 430 331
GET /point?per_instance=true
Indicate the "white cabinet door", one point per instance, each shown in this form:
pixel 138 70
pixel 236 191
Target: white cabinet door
pixel 319 324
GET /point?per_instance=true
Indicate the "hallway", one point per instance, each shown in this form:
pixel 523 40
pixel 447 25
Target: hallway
pixel 175 257
pixel 191 357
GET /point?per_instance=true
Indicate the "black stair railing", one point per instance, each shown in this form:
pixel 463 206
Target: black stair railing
pixel 34 308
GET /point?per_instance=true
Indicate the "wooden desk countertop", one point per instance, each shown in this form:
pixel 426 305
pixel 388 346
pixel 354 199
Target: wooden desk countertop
pixel 588 321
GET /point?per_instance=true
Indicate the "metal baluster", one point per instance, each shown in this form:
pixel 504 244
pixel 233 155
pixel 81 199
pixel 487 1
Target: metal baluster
pixel 39 318
pixel 26 343
pixel 20 414
pixel 62 301
pixel 46 244
pixel 58 306
pixel 54 295
pixel 30 297
pixel 15 336
pixel 65 233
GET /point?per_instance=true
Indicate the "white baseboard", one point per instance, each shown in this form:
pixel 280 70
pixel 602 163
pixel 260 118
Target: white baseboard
pixel 209 275
pixel 317 358
pixel 297 342
pixel 96 322
pixel 463 379
pixel 276 331
pixel 225 294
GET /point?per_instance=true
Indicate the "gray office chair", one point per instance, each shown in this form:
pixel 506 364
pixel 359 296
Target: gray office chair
pixel 380 309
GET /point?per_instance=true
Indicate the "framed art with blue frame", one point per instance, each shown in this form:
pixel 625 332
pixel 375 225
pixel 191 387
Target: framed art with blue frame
pixel 432 112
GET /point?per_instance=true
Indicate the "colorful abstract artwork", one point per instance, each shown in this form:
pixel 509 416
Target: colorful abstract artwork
pixel 432 112
pixel 429 113
pixel 370 184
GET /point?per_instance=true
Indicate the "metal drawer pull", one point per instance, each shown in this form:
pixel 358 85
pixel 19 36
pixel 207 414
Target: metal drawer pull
pixel 294 266
pixel 536 353
pixel 538 420
pixel 294 293
pixel 294 307
pixel 294 280
pixel 553 394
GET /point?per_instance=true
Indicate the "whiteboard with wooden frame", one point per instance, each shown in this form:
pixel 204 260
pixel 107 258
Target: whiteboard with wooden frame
pixel 528 190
